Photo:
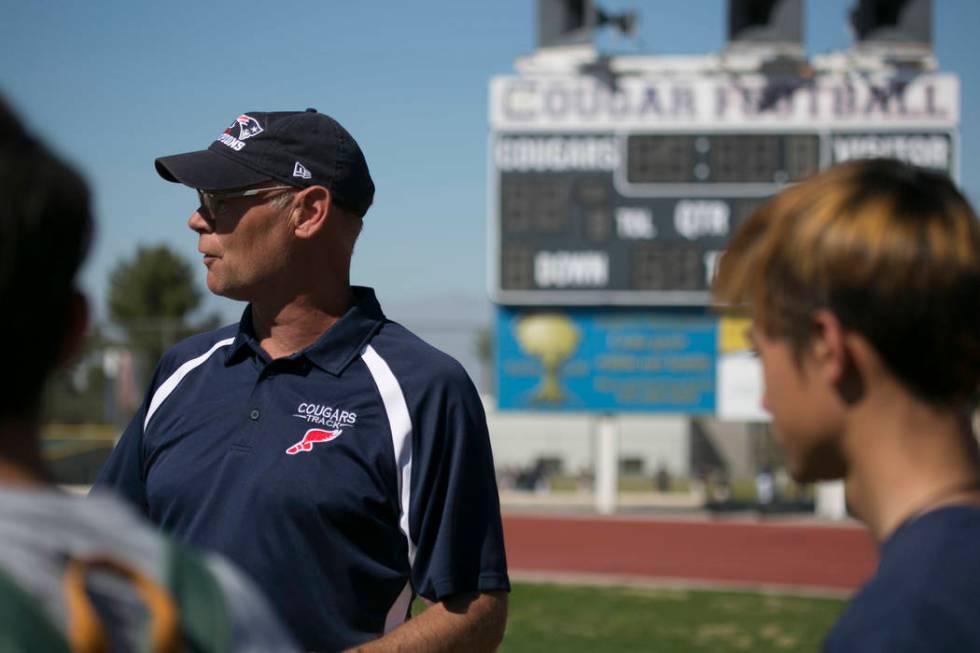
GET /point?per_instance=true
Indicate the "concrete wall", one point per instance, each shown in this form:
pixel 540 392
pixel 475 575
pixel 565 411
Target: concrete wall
pixel 520 438
pixel 736 444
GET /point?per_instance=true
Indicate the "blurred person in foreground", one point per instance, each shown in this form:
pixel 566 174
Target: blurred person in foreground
pixel 83 574
pixel 863 284
pixel 336 457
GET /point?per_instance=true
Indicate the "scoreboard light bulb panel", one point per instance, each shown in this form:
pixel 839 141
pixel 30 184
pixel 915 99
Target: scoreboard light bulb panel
pixel 641 218
pixel 720 158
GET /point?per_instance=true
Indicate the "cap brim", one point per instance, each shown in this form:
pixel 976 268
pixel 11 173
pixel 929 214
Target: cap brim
pixel 207 170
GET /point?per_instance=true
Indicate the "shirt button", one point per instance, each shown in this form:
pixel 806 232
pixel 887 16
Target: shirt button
pixel 255 413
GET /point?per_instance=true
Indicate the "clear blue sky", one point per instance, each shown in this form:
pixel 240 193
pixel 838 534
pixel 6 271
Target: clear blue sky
pixel 114 83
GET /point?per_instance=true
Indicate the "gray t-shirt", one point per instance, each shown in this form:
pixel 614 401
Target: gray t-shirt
pixel 41 529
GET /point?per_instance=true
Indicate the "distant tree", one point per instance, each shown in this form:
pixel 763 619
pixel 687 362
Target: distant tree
pixel 151 297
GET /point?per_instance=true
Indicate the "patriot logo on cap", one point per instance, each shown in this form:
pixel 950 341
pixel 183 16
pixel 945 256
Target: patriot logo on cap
pixel 247 126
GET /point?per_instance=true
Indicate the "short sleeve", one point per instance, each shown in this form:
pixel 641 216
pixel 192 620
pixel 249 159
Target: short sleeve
pixel 124 472
pixel 454 507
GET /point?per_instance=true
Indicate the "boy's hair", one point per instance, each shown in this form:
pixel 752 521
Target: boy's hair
pixel 892 250
pixel 45 230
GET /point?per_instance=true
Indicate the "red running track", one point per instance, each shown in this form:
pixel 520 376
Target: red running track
pixel 741 552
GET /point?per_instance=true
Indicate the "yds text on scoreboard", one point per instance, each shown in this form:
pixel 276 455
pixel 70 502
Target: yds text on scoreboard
pixel 623 189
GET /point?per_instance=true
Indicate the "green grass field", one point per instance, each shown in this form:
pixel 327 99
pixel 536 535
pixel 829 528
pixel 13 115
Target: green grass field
pixel 574 619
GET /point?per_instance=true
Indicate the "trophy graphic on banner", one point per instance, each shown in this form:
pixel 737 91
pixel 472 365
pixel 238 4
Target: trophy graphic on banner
pixel 552 338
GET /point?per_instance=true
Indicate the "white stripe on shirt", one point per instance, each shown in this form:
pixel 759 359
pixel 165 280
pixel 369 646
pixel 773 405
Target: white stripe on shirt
pixel 401 439
pixel 168 386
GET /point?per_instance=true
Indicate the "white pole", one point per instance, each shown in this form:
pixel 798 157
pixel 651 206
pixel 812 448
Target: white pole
pixel 831 502
pixel 606 465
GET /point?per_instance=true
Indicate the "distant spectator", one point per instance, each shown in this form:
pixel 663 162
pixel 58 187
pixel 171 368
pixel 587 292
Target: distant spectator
pixel 540 476
pixel 764 491
pixel 721 484
pixel 784 485
pixel 700 482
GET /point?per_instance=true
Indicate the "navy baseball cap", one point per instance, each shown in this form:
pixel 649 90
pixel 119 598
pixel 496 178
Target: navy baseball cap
pixel 298 148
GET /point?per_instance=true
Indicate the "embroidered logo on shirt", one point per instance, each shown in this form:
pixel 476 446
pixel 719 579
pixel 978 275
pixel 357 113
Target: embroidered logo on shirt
pixel 324 415
pixel 313 436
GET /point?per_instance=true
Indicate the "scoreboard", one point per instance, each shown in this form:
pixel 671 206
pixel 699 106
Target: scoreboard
pixel 625 191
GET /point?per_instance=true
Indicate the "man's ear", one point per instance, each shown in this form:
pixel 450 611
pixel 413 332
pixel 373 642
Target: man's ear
pixel 828 347
pixel 76 327
pixel 310 211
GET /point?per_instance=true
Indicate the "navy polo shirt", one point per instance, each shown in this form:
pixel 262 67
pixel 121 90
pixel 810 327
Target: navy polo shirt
pixel 925 595
pixel 345 479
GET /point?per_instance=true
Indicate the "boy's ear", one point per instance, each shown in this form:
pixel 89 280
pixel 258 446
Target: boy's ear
pixel 828 347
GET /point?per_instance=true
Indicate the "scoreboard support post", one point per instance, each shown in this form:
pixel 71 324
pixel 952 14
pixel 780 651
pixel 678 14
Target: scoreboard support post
pixel 606 464
pixel 831 500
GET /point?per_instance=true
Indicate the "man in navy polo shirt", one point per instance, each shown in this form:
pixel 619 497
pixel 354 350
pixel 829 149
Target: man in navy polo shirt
pixel 340 460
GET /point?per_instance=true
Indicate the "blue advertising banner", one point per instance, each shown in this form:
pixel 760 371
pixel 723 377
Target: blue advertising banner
pixel 602 359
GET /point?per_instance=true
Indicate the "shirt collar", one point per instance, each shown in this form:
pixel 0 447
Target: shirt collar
pixel 245 343
pixel 336 348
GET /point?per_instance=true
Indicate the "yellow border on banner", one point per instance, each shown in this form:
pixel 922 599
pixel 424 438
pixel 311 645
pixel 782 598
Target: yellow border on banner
pixel 733 334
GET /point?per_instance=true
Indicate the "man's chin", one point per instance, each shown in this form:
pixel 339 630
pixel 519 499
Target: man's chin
pixel 227 291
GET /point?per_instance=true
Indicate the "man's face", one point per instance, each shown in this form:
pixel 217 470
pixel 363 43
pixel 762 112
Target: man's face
pixel 806 416
pixel 245 244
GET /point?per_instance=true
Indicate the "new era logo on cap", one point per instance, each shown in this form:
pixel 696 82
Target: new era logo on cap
pixel 299 170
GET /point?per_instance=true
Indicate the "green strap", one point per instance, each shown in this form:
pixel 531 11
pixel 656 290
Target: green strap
pixel 24 625
pixel 204 619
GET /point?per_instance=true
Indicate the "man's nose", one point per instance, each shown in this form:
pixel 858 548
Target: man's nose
pixel 197 222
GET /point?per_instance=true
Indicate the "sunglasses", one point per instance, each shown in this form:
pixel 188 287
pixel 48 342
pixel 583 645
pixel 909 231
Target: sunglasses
pixel 215 201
